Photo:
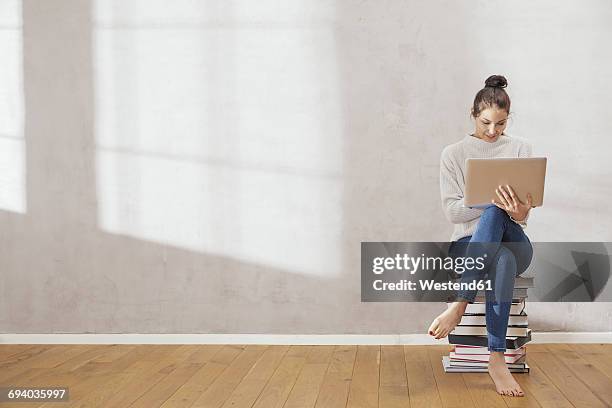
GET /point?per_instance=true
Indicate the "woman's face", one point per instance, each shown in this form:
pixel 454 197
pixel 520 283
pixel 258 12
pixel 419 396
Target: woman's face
pixel 490 124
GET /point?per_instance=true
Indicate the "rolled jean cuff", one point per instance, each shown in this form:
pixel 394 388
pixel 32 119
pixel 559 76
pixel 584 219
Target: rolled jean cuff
pixel 498 349
pixel 467 296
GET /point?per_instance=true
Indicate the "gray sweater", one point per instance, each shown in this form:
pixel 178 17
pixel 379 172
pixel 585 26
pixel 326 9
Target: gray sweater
pixel 452 176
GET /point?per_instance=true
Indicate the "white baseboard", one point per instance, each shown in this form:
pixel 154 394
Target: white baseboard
pixel 276 339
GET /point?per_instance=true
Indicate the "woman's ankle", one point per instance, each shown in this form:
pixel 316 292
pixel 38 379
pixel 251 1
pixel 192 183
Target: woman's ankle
pixel 497 357
pixel 459 306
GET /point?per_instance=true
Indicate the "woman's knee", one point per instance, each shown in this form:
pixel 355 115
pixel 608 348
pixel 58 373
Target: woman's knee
pixel 494 211
pixel 493 214
pixel 506 261
pixel 524 257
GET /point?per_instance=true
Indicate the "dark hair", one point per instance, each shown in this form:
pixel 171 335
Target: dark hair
pixel 492 95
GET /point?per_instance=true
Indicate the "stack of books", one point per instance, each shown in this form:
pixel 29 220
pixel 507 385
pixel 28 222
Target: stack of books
pixel 469 339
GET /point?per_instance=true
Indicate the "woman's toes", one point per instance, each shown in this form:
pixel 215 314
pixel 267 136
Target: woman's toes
pixel 433 327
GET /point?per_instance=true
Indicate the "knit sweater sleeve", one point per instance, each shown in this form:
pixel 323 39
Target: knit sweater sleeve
pixel 452 194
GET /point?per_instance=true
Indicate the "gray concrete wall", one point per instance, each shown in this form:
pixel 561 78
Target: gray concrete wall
pixel 212 167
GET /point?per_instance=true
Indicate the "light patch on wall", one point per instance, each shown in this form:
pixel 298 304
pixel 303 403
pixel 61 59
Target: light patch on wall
pixel 221 133
pixel 12 143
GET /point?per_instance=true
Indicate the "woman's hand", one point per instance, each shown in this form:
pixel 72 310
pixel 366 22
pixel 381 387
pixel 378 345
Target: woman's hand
pixel 510 203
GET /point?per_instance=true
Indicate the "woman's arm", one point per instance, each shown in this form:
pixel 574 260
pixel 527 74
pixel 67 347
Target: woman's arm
pixel 452 195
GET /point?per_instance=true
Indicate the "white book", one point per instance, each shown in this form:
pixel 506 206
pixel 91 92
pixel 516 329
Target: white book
pixel 482 358
pixel 461 349
pixel 448 368
pixel 481 320
pixel 482 331
pixel 482 364
pixel 480 308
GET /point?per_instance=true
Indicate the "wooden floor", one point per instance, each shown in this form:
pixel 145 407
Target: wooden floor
pixel 260 376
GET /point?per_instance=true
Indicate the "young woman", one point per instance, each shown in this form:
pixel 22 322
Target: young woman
pixel 481 232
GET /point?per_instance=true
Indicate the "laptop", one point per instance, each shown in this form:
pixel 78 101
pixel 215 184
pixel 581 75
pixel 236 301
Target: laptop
pixel 524 175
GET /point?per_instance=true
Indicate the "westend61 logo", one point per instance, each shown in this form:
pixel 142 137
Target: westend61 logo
pixel 428 263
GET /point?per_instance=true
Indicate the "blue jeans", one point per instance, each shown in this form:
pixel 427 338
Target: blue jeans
pixel 507 252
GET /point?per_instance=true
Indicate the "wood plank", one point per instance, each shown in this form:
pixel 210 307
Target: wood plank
pixel 542 388
pixel 95 391
pixel 596 355
pixel 566 382
pixel 9 350
pixel 227 381
pixel 320 354
pixel 452 388
pixel 18 363
pixel 342 364
pixel 277 389
pixel 47 373
pixel 247 391
pixel 120 359
pixel 189 392
pixel 422 387
pixel 100 385
pixel 142 376
pixel 607 347
pixel 335 388
pixel 163 389
pixel 482 390
pixel 298 350
pixel 32 374
pixel 44 369
pixel 56 355
pixel 393 388
pixel 536 348
pixel 306 390
pixel 598 382
pixel 363 392
pixel 68 374
pixel 117 351
pixel 90 353
pixel 204 353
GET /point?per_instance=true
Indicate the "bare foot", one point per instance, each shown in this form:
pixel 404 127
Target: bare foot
pixel 446 322
pixel 504 382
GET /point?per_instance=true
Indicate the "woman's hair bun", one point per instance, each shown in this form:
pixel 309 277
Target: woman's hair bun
pixel 496 81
